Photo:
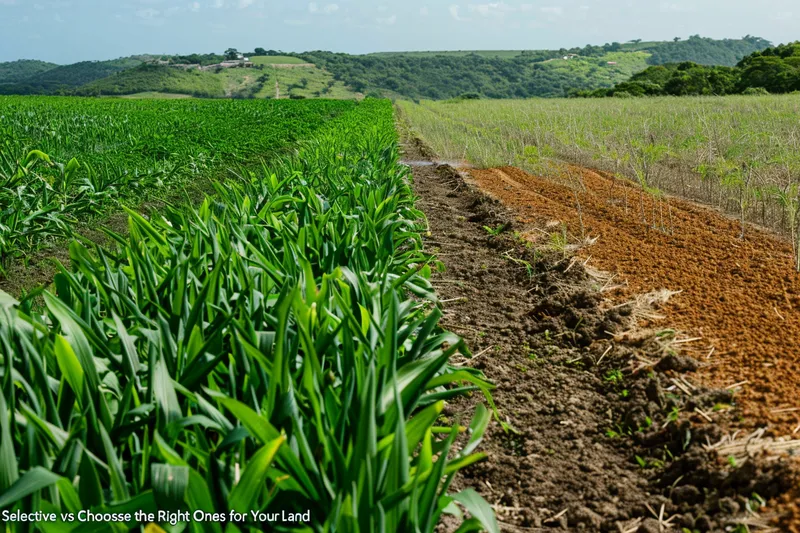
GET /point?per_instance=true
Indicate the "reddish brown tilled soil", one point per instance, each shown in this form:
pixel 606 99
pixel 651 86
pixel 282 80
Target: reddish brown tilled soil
pixel 741 296
pixel 535 322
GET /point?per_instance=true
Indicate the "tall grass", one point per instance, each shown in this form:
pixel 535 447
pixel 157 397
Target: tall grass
pixel 277 349
pixel 739 153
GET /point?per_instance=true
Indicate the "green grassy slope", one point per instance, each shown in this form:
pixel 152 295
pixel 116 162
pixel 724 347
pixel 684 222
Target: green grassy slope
pixel 69 76
pixel 296 82
pixel 276 60
pixel 302 82
pixel 597 70
pixel 152 78
pixel 17 71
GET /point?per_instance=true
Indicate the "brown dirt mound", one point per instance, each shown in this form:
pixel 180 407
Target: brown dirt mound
pixel 741 297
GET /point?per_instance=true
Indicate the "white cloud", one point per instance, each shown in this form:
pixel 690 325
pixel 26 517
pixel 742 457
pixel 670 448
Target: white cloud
pixel 243 4
pixel 195 6
pixel 387 21
pixel 455 12
pixel 218 4
pixel 8 2
pixel 424 11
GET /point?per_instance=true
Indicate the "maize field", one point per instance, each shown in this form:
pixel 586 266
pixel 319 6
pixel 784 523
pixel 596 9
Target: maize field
pixel 277 347
pixel 64 161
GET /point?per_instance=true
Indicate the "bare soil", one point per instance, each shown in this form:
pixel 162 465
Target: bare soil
pixel 598 437
pixel 740 297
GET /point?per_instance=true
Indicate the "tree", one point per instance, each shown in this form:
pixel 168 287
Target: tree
pixel 260 52
pixel 231 53
pixel 676 39
pixel 771 73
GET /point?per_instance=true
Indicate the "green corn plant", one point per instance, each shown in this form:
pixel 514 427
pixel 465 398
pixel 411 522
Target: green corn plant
pixel 65 160
pixel 270 350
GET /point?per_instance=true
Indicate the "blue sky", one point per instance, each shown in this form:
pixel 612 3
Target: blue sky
pixel 65 31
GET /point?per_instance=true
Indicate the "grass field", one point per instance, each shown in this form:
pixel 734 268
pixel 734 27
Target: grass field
pixel 65 159
pixel 295 79
pixel 276 60
pixel 266 350
pixel 600 71
pixel 162 79
pixel 310 82
pixel 737 153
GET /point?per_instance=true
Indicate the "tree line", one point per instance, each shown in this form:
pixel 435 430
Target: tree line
pixel 774 70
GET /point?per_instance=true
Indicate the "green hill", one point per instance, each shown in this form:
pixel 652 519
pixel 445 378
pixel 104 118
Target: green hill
pixel 443 77
pixel 415 75
pixel 302 82
pixel 17 71
pixel 68 77
pixel 154 78
pixel 521 74
pixel 704 51
pixel 149 80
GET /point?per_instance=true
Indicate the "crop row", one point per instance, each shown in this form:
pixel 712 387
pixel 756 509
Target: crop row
pixel 65 159
pixel 275 350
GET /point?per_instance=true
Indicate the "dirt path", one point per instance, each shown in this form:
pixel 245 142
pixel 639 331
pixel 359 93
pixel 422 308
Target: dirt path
pixel 581 413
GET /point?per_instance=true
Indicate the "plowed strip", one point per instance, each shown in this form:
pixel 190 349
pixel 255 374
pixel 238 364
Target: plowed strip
pixel 741 297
